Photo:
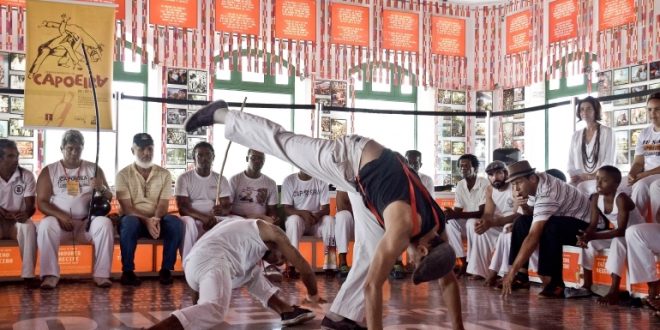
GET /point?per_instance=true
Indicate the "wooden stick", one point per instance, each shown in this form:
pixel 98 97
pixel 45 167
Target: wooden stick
pixel 224 161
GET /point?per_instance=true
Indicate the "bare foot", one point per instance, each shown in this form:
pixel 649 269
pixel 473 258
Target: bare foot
pixel 475 278
pixel 461 271
pixel 491 281
pixel 611 298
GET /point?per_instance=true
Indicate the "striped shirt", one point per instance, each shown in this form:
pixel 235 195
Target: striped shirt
pixel 557 198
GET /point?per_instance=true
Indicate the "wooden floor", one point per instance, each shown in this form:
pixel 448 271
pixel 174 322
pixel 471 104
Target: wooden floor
pixel 77 304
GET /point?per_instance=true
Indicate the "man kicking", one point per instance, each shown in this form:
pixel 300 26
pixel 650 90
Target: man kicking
pixel 403 213
pixel 228 257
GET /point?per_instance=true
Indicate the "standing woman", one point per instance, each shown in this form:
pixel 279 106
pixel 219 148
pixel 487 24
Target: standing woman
pixel 591 147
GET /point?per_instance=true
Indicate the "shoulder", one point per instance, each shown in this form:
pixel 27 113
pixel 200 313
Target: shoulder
pixel 267 179
pixel 235 177
pixel 289 180
pixel 125 170
pixel 28 175
pixel 186 176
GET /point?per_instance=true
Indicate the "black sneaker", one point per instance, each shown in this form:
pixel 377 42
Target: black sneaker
pixel 296 316
pixel 165 277
pixel 129 278
pixel 344 324
pixel 204 116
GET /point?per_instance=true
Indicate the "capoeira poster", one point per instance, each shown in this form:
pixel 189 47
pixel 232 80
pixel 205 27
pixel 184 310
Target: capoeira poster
pixel 58 92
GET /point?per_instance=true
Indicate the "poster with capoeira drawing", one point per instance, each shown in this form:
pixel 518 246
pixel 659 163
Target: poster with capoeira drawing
pixel 58 89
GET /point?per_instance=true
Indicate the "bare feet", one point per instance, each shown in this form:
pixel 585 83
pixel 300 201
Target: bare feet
pixel 461 271
pixel 491 281
pixel 611 298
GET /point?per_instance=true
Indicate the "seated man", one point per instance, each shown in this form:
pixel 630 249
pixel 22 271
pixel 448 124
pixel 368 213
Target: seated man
pixel 196 197
pixel 64 191
pixel 643 244
pixel 403 214
pixel 468 208
pixel 143 191
pixel 560 211
pixel 17 190
pixel 620 211
pixel 227 258
pixel 645 169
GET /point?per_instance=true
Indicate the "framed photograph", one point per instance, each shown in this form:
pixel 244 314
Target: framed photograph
pixel 654 70
pixel 444 108
pixel 518 116
pixel 445 164
pixel 507 130
pixel 177 76
pixel 622 157
pixel 177 93
pixel 4 70
pixel 446 147
pixel 654 86
pixel 519 144
pixel 457 148
pixel 176 116
pixel 16 128
pixel 480 128
pixel 634 135
pixel 458 98
pixel 484 101
pixel 621 118
pixel 198 81
pixel 621 76
pixel 322 87
pixel 606 118
pixel 325 124
pixel 17 105
pixel 202 131
pixel 176 136
pixel 176 172
pixel 337 128
pixel 638 99
pixel 604 83
pixel 339 92
pixel 444 96
pixel 638 116
pixel 518 129
pixel 639 73
pixel 507 97
pixel 4 128
pixel 192 142
pixel 619 92
pixel 17 62
pixel 176 156
pixel 197 97
pixel 4 103
pixel 446 180
pixel 458 127
pixel 519 94
pixel 17 81
pixel 621 140
pixel 25 149
pixel 446 128
pixel 480 148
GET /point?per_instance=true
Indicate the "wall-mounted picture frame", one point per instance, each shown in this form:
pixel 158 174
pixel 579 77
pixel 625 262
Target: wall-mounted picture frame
pixel 654 70
pixel 177 93
pixel 621 76
pixel 458 98
pixel 638 99
pixel 443 96
pixel 177 76
pixel 176 156
pixel 176 136
pixel 337 128
pixel 4 70
pixel 176 116
pixel 638 116
pixel 634 136
pixel 4 128
pixel 198 81
pixel 621 140
pixel 620 91
pixel 16 128
pixel 605 84
pixel 25 149
pixel 518 94
pixel 17 62
pixel 621 117
pixel 458 126
pixel 507 99
pixel 4 103
pixel 484 101
pixel 16 81
pixel 606 118
pixel 622 157
pixel 17 105
pixel 458 148
pixel 518 129
pixel 639 73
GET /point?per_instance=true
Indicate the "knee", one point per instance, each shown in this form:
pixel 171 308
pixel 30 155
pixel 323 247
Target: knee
pixel 293 222
pixel 49 225
pixel 172 224
pixel 633 233
pixel 188 222
pixel 328 220
pixel 101 226
pixel 129 225
pixel 618 243
pixel 470 224
pixel 28 228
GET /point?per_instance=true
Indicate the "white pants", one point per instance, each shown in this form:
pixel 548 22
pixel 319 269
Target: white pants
pixel 456 230
pixel 50 235
pixel 480 248
pixel 655 191
pixel 500 261
pixel 211 277
pixel 26 235
pixel 642 191
pixel 344 228
pixel 643 245
pixel 193 229
pixel 296 228
pixel 616 257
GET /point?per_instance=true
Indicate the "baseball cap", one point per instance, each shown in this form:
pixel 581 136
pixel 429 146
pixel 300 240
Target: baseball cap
pixel 143 140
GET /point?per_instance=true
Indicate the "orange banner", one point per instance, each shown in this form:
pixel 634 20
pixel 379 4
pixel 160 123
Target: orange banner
pixel 144 258
pixel 613 13
pixel 10 261
pixel 295 20
pixel 400 30
pixel 120 10
pixel 518 31
pixel 13 3
pixel 238 16
pixel 72 260
pixel 448 36
pixel 349 24
pixel 178 266
pixel 176 13
pixel 571 269
pixel 563 20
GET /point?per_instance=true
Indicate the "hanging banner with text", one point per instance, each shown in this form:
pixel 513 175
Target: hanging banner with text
pixel 448 36
pixel 238 16
pixel 613 13
pixel 400 30
pixel 518 31
pixel 295 19
pixel 563 20
pixel 13 3
pixel 349 24
pixel 176 13
pixel 58 92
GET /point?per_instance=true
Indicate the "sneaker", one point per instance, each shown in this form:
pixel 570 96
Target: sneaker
pixel 343 272
pixel 397 272
pixel 291 273
pixel 49 282
pixel 129 278
pixel 273 273
pixel 165 277
pixel 344 324
pixel 296 316
pixel 576 293
pixel 102 282
pixel 204 116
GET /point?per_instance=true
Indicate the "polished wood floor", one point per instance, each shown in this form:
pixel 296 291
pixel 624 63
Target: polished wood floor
pixel 77 304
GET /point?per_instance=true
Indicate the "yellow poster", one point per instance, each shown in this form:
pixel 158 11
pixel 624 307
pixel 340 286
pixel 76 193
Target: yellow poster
pixel 58 91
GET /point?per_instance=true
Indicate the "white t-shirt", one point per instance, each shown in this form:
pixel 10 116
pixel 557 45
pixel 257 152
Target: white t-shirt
pixel 470 200
pixel 634 217
pixel 252 196
pixel 648 145
pixel 427 181
pixel 18 187
pixel 201 190
pixel 503 201
pixel 556 197
pixel 304 195
pixel 606 154
pixel 78 205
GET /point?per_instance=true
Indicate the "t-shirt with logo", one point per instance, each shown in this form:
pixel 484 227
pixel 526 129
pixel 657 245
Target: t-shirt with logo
pixel 252 196
pixel 201 190
pixel 304 195
pixel 21 184
pixel 648 145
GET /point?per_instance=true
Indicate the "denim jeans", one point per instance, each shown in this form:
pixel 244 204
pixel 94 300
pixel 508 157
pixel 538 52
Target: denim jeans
pixel 131 229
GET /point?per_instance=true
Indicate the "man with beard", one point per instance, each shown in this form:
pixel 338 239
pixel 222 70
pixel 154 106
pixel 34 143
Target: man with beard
pixel 468 208
pixel 143 192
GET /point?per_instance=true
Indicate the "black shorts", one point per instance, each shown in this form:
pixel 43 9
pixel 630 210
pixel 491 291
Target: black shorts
pixel 385 180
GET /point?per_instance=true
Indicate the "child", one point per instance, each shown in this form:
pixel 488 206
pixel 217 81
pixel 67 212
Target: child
pixel 620 211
